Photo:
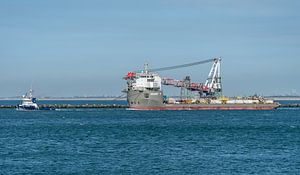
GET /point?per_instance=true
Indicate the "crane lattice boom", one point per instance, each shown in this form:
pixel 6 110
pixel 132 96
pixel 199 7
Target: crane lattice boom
pixel 181 66
pixel 212 87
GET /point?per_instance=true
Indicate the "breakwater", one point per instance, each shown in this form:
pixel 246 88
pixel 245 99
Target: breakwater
pixel 111 106
pixel 69 106
pixel 289 106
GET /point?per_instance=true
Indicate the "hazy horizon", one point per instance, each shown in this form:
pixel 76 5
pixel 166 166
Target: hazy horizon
pixel 84 48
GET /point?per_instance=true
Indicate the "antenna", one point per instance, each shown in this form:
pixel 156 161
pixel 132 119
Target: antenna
pixel 146 68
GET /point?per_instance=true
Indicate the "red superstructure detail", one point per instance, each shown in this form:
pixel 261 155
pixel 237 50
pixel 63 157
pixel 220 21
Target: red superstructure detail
pixel 130 75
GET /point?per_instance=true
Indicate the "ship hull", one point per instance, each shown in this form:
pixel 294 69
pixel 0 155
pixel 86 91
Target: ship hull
pixel 26 108
pixel 137 101
pixel 208 107
pixel 145 98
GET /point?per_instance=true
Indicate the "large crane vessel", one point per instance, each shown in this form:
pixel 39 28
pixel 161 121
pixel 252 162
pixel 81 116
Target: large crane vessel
pixel 144 92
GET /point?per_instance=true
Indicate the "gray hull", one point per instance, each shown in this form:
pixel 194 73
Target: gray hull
pixel 153 100
pixel 137 98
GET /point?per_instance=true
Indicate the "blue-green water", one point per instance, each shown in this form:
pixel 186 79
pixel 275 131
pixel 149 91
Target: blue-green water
pixel 118 141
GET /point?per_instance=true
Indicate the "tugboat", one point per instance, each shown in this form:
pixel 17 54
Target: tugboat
pixel 28 102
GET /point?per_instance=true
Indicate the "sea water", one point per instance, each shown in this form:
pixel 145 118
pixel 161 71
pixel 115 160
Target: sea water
pixel 119 141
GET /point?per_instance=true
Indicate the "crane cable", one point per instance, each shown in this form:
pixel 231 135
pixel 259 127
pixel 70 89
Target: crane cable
pixel 181 66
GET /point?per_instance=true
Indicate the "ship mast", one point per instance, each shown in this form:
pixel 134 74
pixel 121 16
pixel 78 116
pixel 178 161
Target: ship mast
pixel 146 68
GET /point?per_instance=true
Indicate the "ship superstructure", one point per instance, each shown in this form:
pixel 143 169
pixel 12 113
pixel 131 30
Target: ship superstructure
pixel 144 92
pixel 28 102
pixel 144 89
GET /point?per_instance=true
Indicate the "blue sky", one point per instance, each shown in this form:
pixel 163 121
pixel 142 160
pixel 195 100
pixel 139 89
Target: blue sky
pixel 77 47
